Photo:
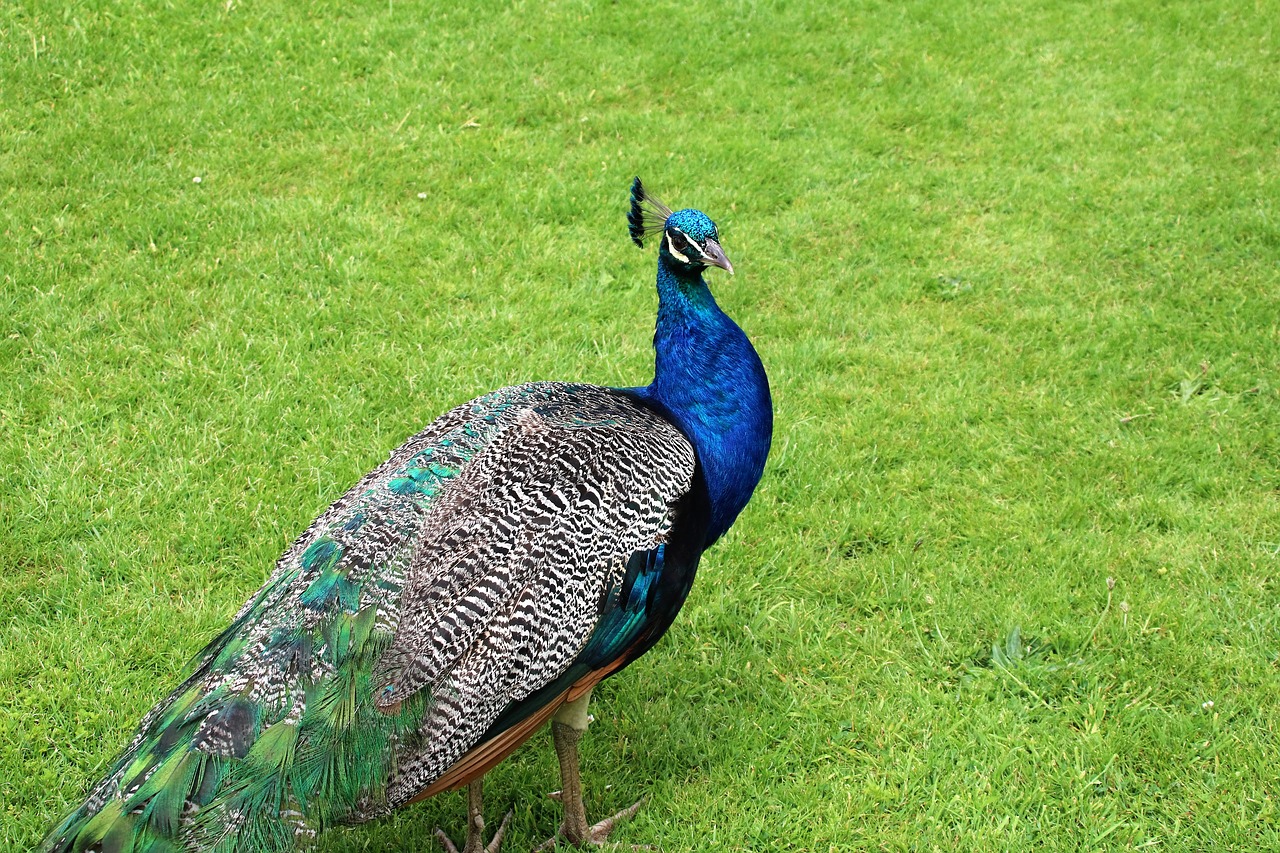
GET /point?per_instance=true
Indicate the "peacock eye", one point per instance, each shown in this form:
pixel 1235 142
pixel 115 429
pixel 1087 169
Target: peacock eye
pixel 678 241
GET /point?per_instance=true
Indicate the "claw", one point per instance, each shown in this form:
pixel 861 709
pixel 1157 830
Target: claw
pixel 602 829
pixel 445 841
pixel 598 834
pixel 473 840
pixel 475 826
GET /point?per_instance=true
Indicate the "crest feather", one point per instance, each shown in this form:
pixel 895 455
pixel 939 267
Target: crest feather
pixel 648 215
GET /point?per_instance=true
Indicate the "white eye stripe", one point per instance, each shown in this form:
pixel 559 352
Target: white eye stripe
pixel 672 249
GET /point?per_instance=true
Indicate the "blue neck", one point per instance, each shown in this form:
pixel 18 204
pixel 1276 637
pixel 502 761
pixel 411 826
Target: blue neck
pixel 709 378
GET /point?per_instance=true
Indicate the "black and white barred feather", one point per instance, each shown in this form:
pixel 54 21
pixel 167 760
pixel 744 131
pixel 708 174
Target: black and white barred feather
pixel 517 560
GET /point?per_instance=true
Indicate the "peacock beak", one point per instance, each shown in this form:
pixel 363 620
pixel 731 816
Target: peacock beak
pixel 716 255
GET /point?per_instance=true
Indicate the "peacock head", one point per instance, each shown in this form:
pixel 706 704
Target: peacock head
pixel 689 239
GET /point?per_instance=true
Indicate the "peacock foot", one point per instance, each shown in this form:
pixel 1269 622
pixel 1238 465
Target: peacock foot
pixel 475 837
pixel 475 826
pixel 596 835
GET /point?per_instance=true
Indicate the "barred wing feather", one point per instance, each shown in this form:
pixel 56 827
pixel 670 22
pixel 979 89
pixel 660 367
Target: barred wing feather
pixel 518 562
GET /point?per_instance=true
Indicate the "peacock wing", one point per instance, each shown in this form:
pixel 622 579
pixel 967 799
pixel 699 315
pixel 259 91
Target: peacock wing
pixel 521 564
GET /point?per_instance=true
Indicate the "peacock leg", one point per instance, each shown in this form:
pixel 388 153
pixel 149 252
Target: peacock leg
pixel 566 730
pixel 475 825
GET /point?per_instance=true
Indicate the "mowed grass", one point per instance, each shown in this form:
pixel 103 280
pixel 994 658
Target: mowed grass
pixel 1014 270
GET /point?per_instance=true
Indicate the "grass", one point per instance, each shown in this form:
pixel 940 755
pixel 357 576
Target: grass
pixel 1010 578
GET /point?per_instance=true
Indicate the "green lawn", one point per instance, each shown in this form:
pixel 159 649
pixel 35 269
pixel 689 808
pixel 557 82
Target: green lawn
pixel 1014 270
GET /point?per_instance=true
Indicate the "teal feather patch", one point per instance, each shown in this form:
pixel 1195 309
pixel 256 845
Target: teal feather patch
pixel 330 589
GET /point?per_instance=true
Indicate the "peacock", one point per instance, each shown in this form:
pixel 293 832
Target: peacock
pixel 482 581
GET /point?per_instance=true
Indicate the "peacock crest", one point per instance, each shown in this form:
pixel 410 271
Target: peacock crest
pixel 648 215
